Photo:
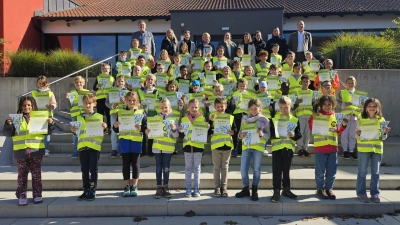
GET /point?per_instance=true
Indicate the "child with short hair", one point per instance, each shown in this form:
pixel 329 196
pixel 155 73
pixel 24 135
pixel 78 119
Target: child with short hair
pixel 130 145
pixel 288 64
pixel 134 51
pixel 307 70
pixel 254 123
pixel 75 110
pixel 275 50
pixel 283 145
pixel 221 146
pixel 328 64
pixel 123 62
pixel 150 61
pixel 141 62
pixel 195 71
pixel 326 148
pixel 370 150
pixel 102 91
pixel 226 76
pixel 89 148
pixel 193 150
pixel 29 149
pixel 263 66
pixel 164 147
pixel 237 72
pixel 295 79
pixel 44 90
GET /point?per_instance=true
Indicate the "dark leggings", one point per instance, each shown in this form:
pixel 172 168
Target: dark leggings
pixel 237 144
pixel 104 110
pixel 129 159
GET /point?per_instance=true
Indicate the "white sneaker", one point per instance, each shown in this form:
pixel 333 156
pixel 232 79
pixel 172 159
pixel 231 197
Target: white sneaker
pixel 265 152
pixel 46 153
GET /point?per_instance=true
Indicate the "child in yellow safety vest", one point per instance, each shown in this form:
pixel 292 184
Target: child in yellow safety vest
pixel 283 143
pixel 326 147
pixel 89 147
pixel 76 108
pixel 221 145
pixel 295 79
pixel 163 147
pixel 29 149
pixel 130 142
pixel 254 132
pixel 263 66
pixel 193 150
pixel 370 149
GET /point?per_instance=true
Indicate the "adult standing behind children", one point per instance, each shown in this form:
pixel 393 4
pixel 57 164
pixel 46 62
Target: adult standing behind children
pixel 248 47
pixel 229 47
pixel 259 44
pixel 169 43
pixel 277 39
pixel 300 42
pixel 190 43
pixel 145 37
pixel 205 42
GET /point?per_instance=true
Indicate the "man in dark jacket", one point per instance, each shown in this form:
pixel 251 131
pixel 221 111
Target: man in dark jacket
pixel 277 39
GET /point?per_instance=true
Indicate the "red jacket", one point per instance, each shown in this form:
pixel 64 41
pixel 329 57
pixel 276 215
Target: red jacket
pixel 326 148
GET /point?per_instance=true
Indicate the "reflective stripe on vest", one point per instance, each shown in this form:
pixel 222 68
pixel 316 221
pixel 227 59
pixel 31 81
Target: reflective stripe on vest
pixel 188 141
pixel 24 140
pixel 89 142
pixel 258 146
pixel 281 143
pixel 375 146
pixel 331 139
pixel 294 85
pixel 346 97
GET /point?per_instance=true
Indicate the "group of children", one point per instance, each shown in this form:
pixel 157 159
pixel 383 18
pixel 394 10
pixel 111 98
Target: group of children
pixel 193 97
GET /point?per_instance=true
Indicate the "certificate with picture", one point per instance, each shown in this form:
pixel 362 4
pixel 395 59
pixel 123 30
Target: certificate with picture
pixel 127 120
pixel 156 126
pixel 306 96
pixel 281 127
pixel 246 60
pixel 114 96
pixel 104 80
pixel 252 136
pixel 244 103
pixel 172 97
pixel 355 98
pixel 134 82
pixel 314 65
pixel 161 78
pixel 94 126
pixel 199 132
pixel 222 123
pixel 184 86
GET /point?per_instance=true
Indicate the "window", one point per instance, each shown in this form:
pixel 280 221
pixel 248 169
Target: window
pixel 98 47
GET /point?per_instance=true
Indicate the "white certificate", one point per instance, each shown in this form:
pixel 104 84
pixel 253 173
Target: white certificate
pixel 199 132
pixel 244 103
pixel 104 80
pixel 149 101
pixel 286 74
pixel 320 125
pixel 281 128
pixel 80 100
pixel 355 98
pixel 197 63
pixel 221 63
pixel 146 55
pixel 42 99
pixel 172 97
pixel 252 136
pixel 184 86
pixel 314 65
pixel 156 127
pixel 125 71
pixel 272 83
pixel 114 97
pixel 71 97
pixel 16 120
pixel 210 77
pixel 186 59
pixel 94 126
pixel 38 122
pixel 127 120
pixel 324 75
pixel 134 82
pixel 160 79
pixel 274 60
pixel 265 102
pixel 222 124
pixel 246 60
pixel 177 72
pixel 306 97
pixel 369 130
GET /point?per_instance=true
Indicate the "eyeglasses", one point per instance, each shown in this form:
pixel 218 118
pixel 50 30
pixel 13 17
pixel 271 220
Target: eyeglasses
pixel 327 86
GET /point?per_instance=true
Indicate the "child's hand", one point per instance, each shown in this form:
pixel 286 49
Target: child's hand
pixel 98 85
pixel 104 125
pixel 73 129
pixel 387 129
pixel 9 122
pixel 215 81
pixel 358 132
pixel 291 134
pixel 67 95
pixel 270 108
pixel 213 117
pixel 345 122
pixel 180 129
pixel 203 101
pixel 115 106
pixel 180 101
pixel 144 106
pixel 298 101
pixel 208 104
pixel 147 131
pixel 49 107
pixel 165 82
pixel 50 120
pixel 138 127
pixel 116 124
pixel 231 132
pixel 141 84
pixel 173 127
pixel 122 100
pixel 129 87
pixel 208 126
pixel 260 133
pixel 316 102
pixel 243 135
pixel 347 104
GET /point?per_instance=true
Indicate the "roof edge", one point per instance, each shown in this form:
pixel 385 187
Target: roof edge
pixel 213 10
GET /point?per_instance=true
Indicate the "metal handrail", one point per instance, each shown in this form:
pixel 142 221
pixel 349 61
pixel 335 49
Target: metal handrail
pixel 62 78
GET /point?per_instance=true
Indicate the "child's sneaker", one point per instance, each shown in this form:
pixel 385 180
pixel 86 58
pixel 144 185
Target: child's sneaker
pixel 188 193
pixel 346 155
pixel 196 193
pixel 22 199
pixel 166 192
pixel 217 192
pixel 330 194
pixel 114 153
pixel 375 199
pixel 83 195
pixel 265 151
pixel 306 154
pixel 300 153
pixel 46 152
pixel 363 198
pixel 37 200
pixel 134 191
pixel 321 194
pixel 224 192
pixel 353 155
pixel 75 155
pixel 91 195
pixel 287 193
pixel 127 191
pixel 276 196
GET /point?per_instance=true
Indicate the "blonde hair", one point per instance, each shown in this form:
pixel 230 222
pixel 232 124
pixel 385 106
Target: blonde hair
pixel 227 68
pixel 252 70
pixel 194 101
pixel 134 95
pixel 79 78
pixel 150 75
pixel 161 52
pixel 220 86
pixel 173 39
pixel 89 97
pixel 167 102
pixel 351 78
pixel 42 80
pixel 285 101
pixel 243 81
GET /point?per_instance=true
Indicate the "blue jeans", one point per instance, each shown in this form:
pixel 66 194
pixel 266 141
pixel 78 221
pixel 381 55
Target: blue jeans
pixel 74 137
pixel 162 167
pixel 245 164
pixel 363 159
pixel 47 141
pixel 325 165
pixel 114 137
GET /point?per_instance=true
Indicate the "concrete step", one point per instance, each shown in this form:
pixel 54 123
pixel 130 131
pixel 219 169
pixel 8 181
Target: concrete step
pixel 112 204
pixel 64 159
pixel 63 114
pixel 110 177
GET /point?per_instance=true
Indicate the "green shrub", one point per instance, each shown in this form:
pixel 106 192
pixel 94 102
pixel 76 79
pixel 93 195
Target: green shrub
pixel 63 62
pixel 27 63
pixel 364 50
pixel 393 33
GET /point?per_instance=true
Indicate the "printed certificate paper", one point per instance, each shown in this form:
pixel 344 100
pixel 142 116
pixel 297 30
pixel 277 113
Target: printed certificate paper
pixel 369 130
pixel 320 125
pixel 38 122
pixel 94 126
pixel 156 126
pixel 199 132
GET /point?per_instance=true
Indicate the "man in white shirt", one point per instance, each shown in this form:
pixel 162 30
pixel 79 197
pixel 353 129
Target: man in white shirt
pixel 300 42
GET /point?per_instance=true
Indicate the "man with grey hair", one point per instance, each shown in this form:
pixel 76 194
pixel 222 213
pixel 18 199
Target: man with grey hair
pixel 300 42
pixel 145 37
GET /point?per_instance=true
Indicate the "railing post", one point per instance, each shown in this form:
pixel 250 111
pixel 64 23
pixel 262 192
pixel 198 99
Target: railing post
pixel 346 57
pixel 87 79
pixel 338 57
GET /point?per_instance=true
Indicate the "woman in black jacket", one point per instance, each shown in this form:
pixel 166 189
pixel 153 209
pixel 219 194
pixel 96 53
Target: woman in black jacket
pixel 169 43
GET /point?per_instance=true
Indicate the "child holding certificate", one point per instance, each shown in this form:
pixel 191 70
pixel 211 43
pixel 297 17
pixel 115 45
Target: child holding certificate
pixel 131 124
pixel 45 101
pixel 251 78
pixel 90 136
pixel 197 64
pixel 237 72
pixel 254 133
pixel 222 127
pixel 164 146
pixel 227 78
pixel 219 61
pixel 183 80
pixel 115 101
pixel 288 64
pixel 148 57
pixel 333 77
pixel 307 70
pixel 123 67
pixel 184 52
pixel 30 130
pixel 275 58
pixel 285 131
pixel 266 102
pixel 174 69
pixel 263 66
pixel 294 80
pixel 348 138
pixel 193 129
pixel 144 69
pixel 134 51
pixel 163 59
pixel 75 96
pixel 372 129
pixel 325 129
pixel 303 109
pixel 101 86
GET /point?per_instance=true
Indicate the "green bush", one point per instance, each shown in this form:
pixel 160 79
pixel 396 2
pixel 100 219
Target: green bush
pixel 62 62
pixel 364 50
pixel 27 63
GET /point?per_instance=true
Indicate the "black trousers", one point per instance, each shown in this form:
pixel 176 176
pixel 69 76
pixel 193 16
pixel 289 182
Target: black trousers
pixel 89 159
pixel 281 162
pixel 129 159
pixel 237 143
pixel 147 144
pixel 104 110
pixel 300 57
